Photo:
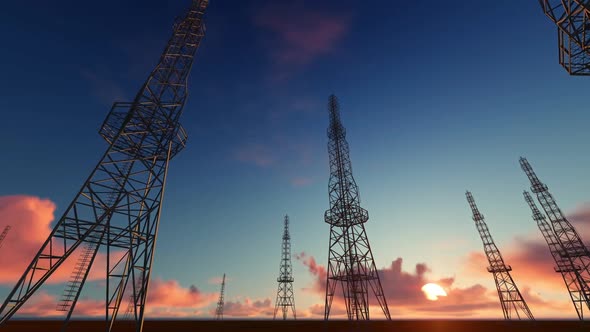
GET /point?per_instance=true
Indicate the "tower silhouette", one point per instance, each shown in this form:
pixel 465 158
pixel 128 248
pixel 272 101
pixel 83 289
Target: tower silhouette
pixel 350 260
pixel 572 19
pixel 564 264
pixel 118 207
pixel 221 301
pixel 510 298
pixel 285 296
pixel 3 235
pixel 574 249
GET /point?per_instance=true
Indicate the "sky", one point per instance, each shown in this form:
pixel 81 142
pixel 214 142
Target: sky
pixel 437 97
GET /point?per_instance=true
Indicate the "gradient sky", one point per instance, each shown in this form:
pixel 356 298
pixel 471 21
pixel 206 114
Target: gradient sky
pixel 437 97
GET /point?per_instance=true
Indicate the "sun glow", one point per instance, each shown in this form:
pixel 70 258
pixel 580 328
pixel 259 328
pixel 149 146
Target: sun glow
pixel 433 291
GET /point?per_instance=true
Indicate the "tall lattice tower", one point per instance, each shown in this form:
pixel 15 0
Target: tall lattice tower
pixel 118 207
pixel 510 298
pixel 564 265
pixel 285 296
pixel 350 261
pixel 572 19
pixel 574 249
pixel 221 301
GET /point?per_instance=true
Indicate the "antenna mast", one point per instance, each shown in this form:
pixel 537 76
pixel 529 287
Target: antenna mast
pixel 510 298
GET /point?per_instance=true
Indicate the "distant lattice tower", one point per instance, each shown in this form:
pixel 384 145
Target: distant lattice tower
pixel 510 297
pixel 574 249
pixel 119 205
pixel 564 264
pixel 221 301
pixel 3 235
pixel 572 18
pixel 285 296
pixel 350 259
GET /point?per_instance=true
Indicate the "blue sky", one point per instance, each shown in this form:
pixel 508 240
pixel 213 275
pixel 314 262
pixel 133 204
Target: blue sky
pixel 437 98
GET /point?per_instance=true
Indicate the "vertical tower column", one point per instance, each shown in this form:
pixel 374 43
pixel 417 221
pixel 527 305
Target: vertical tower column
pixel 350 259
pixel 513 305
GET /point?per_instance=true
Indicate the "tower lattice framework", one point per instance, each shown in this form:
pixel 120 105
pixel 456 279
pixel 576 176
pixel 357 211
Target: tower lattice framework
pixel 511 299
pixel 221 301
pixel 572 19
pixel 574 249
pixel 118 207
pixel 564 265
pixel 350 260
pixel 285 296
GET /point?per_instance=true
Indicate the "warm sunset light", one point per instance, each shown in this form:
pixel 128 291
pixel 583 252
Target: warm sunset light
pixel 433 291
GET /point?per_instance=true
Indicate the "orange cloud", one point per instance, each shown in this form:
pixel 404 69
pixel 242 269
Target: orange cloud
pixel 166 298
pixel 249 308
pixel 405 299
pixel 169 293
pixel 30 220
pixel 530 258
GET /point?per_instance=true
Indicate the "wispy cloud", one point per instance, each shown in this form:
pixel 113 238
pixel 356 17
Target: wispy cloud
pixel 103 87
pixel 302 34
pixel 256 154
pixel 301 181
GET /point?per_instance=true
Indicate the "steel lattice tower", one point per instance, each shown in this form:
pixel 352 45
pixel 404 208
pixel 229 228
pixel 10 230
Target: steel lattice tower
pixel 3 235
pixel 510 298
pixel 572 18
pixel 221 301
pixel 564 265
pixel 350 261
pixel 285 295
pixel 118 207
pixel 574 249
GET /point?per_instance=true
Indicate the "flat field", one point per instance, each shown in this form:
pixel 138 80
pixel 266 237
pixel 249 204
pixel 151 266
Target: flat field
pixel 305 326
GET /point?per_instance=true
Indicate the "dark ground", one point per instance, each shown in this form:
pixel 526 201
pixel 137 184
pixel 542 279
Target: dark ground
pixel 305 325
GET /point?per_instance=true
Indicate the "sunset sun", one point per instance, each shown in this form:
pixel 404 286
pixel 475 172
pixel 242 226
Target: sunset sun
pixel 433 291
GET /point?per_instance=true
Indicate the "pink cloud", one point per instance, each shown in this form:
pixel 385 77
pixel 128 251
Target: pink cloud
pixel 304 34
pixel 405 299
pixel 169 293
pixel 30 220
pixel 529 256
pixel 249 308
pixel 166 298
